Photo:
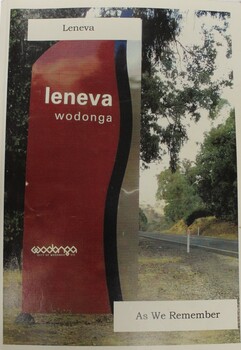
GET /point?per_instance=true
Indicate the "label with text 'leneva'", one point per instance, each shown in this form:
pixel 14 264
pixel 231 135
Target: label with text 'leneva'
pixel 84 29
pixel 151 316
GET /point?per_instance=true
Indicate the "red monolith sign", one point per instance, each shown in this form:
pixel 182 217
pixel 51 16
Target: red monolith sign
pixel 73 140
pixel 79 140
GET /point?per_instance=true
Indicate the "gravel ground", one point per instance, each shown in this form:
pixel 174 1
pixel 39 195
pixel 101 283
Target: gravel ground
pixel 201 274
pixel 166 272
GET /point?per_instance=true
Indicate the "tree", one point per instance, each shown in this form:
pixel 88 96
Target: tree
pixel 210 186
pixel 180 196
pixel 216 171
pixel 178 89
pixel 178 80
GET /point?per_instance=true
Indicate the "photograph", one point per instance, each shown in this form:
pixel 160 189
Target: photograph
pixel 120 178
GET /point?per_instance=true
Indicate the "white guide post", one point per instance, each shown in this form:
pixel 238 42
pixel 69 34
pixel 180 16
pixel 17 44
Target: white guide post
pixel 188 240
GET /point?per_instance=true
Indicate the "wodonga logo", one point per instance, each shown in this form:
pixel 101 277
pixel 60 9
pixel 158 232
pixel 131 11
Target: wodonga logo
pixel 53 250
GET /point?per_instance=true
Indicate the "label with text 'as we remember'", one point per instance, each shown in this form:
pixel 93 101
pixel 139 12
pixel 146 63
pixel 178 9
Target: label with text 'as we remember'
pixel 150 316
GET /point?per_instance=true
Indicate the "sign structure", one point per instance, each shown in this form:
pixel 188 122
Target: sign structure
pixel 80 137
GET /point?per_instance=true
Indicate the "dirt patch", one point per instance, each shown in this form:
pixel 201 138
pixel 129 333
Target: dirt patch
pixel 166 272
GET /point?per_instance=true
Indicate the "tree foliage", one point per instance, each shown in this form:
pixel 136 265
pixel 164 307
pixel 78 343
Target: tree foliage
pixel 179 194
pixel 178 79
pixel 216 171
pixel 180 86
pixel 198 213
pixel 209 186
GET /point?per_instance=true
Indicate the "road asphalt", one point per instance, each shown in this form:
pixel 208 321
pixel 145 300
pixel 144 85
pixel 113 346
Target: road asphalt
pixel 222 246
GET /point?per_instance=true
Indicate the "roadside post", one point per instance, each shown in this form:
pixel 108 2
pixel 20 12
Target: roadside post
pixel 188 240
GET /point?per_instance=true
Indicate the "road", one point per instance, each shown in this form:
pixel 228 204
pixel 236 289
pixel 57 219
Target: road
pixel 223 246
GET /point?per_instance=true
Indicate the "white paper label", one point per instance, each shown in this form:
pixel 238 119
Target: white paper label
pixel 84 29
pixel 149 316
